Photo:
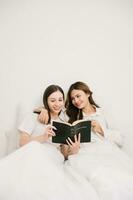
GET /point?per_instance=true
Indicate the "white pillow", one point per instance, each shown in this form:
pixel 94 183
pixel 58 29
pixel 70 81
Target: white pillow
pixel 12 138
pixel 3 144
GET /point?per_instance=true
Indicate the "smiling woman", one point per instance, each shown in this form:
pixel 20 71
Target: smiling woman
pixel 35 171
pixel 31 129
pixel 101 161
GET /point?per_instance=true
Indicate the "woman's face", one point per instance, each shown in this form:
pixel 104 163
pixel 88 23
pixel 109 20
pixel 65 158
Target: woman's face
pixel 79 99
pixel 55 102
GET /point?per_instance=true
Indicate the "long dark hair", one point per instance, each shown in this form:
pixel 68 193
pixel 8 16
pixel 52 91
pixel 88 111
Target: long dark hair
pixel 73 112
pixel 48 91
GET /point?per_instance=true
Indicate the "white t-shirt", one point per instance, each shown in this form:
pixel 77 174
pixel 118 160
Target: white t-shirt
pixel 109 134
pixel 32 126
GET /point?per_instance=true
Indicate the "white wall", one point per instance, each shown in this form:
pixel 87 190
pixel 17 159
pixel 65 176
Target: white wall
pixel 59 42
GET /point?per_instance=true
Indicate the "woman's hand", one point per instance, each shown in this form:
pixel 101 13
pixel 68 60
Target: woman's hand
pixel 49 132
pixel 43 117
pixel 71 147
pixel 74 146
pixel 96 128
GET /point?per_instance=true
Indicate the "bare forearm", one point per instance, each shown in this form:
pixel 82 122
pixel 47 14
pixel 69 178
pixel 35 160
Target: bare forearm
pixel 40 138
pixel 24 139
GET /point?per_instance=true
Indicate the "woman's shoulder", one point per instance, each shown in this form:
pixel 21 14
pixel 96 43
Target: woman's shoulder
pixel 28 123
pixel 99 111
pixel 29 118
pixel 63 116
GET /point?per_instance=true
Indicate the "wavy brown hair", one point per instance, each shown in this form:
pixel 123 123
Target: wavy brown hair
pixel 73 112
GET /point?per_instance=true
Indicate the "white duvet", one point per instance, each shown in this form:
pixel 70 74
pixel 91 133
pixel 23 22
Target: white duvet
pixel 107 168
pixel 36 172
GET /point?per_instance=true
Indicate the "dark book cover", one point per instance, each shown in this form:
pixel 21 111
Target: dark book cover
pixel 65 130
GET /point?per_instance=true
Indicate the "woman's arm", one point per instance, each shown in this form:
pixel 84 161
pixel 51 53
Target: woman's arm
pixel 71 147
pixel 26 138
pixel 43 116
pixel 96 128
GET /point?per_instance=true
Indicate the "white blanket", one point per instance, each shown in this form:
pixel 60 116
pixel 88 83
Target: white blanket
pixel 107 168
pixel 100 171
pixel 36 172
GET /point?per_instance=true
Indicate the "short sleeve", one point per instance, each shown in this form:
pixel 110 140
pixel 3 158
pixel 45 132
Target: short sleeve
pixel 28 124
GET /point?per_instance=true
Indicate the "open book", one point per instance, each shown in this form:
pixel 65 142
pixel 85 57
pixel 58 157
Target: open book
pixel 65 130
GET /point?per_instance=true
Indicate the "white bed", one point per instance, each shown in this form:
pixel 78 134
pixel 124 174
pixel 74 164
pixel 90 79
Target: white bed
pixel 32 173
pixel 107 168
pixel 24 178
